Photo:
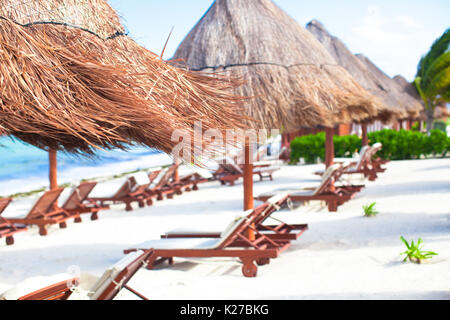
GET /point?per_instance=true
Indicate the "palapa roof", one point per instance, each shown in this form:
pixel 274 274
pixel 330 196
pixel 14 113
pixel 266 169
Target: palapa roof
pixel 417 107
pixel 411 106
pixel 72 80
pixel 372 82
pixel 292 79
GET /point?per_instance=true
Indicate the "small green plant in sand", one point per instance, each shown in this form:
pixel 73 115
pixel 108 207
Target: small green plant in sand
pixel 369 210
pixel 414 253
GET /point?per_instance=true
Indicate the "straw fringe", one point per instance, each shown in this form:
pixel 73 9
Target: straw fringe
pixel 65 88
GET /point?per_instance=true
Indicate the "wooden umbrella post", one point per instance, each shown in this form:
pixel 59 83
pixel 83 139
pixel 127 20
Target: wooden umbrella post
pixel 365 139
pixel 53 169
pixel 248 184
pixel 176 175
pixel 329 147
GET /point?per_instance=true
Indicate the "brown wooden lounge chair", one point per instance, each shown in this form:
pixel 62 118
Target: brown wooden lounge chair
pixel 61 287
pixel 234 241
pixel 57 287
pixel 45 212
pixel 364 164
pixel 77 203
pixel 229 172
pixel 162 185
pixel 124 194
pixel 278 232
pixel 8 229
pixel 326 191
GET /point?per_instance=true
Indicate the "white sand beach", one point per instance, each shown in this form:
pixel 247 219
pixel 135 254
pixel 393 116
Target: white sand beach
pixel 343 255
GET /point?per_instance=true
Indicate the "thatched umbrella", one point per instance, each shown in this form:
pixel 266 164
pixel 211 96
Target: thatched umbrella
pixel 375 83
pixel 72 80
pixel 411 106
pixel 292 79
pixel 417 108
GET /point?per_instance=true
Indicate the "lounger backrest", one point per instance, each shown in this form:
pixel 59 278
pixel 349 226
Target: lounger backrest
pixel 153 174
pixel 162 179
pixel 375 148
pixel 230 166
pixel 127 187
pixel 141 178
pixel 327 178
pixel 231 230
pixel 362 157
pixel 78 195
pixel 45 203
pixel 110 275
pixel 4 203
pixel 42 288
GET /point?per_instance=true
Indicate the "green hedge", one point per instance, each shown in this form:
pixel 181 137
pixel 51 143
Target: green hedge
pixel 397 145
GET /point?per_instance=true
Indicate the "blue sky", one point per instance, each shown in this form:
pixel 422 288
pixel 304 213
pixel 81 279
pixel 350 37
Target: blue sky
pixel 394 34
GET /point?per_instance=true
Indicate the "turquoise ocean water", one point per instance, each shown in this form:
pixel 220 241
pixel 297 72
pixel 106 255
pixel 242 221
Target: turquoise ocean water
pixel 21 161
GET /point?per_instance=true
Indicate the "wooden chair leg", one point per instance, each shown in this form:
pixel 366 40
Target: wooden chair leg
pixel 43 230
pixel 332 206
pixel 9 241
pixel 249 269
pixel 141 204
pixel 78 220
pixel 94 216
pixel 63 225
pixel 128 207
pixel 195 187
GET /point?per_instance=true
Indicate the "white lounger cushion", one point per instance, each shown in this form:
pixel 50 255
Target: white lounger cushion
pixel 31 285
pixel 108 189
pixel 264 169
pixel 181 244
pixel 141 178
pixel 195 243
pixel 111 273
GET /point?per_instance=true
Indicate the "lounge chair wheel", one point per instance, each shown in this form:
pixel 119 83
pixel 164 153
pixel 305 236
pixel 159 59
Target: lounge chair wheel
pixel 170 261
pixel 195 187
pixel 63 225
pixel 160 198
pixel 170 196
pixel 149 202
pixel 187 189
pixel 141 204
pixel 128 207
pixel 262 261
pixel 94 216
pixel 78 220
pixel 179 192
pixel 9 241
pixel 249 270
pixel 222 182
pixel 43 231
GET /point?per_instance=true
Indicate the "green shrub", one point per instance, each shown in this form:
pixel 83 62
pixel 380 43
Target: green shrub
pixel 440 125
pixel 345 146
pixel 397 145
pixel 309 147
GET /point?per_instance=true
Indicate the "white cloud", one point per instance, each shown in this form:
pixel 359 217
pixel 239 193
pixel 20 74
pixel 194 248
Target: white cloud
pixel 394 43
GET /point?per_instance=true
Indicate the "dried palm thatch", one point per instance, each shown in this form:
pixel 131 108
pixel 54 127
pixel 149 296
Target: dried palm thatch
pixel 72 80
pixel 292 79
pixel 417 106
pixel 373 83
pixel 410 105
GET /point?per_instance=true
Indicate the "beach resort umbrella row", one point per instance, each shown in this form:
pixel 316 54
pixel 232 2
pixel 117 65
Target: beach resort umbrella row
pixel 72 80
pixel 397 104
pixel 292 79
